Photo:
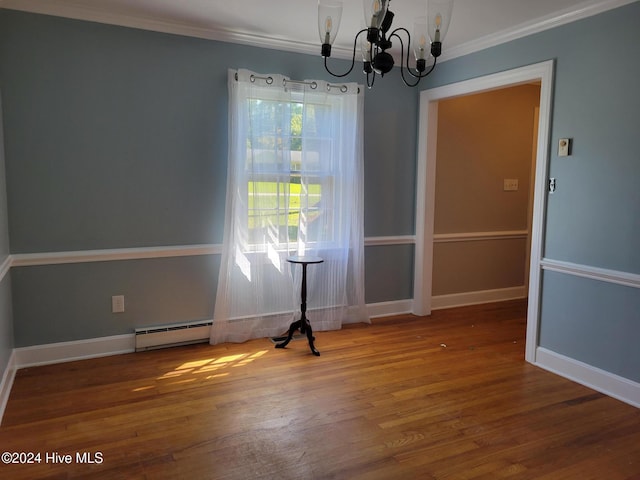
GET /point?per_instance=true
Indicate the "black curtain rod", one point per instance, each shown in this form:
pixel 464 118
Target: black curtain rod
pixel 269 80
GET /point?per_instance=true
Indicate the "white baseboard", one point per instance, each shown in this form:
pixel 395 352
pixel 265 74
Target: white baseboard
pixel 7 383
pixel 60 352
pixel 103 346
pixel 439 302
pixel 605 382
pixel 75 350
pixel 385 309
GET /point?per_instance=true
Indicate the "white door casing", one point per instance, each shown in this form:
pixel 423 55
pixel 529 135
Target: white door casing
pixel 425 183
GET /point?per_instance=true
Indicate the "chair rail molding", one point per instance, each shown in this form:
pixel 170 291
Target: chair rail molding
pixel 627 279
pixel 114 254
pixel 5 267
pixel 478 236
pixel 84 256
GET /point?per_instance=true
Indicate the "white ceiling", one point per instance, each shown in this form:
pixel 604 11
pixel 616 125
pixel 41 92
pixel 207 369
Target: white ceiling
pixel 292 24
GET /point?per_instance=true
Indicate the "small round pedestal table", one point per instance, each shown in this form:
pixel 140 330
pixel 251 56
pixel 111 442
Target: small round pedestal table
pixel 303 324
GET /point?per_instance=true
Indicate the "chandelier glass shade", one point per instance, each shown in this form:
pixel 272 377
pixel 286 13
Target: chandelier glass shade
pixel 375 39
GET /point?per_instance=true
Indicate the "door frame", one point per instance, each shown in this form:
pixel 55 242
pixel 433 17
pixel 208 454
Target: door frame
pixel 425 183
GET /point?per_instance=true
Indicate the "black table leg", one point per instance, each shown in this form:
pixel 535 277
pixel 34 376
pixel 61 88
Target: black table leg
pixel 310 337
pixel 303 324
pixel 294 326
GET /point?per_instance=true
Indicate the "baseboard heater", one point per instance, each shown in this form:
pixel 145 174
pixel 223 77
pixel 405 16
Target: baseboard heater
pixel 164 336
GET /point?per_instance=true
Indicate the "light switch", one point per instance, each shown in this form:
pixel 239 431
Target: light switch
pixel 510 184
pixel 564 147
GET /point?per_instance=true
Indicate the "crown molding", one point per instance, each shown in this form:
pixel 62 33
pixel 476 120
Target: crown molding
pixel 91 14
pixel 584 10
pixel 61 8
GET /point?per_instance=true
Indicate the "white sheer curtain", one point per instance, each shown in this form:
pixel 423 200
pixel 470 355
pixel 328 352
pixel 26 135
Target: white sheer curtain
pixel 294 187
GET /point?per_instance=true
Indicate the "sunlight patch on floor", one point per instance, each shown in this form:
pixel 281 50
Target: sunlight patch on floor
pixel 210 365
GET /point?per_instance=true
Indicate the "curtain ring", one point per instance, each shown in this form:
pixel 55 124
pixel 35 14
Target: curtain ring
pixel 343 89
pixel 253 78
pixel 313 85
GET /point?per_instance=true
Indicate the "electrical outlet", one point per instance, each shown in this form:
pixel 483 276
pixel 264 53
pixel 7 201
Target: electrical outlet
pixel 117 304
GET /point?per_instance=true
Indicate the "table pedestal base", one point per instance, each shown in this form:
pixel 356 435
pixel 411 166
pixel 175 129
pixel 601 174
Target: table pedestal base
pixel 305 327
pixel 303 324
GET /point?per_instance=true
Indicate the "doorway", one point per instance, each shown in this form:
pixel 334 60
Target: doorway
pixel 425 191
pixel 483 179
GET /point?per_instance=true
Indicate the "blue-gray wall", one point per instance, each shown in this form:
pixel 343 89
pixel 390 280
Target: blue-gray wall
pixel 593 219
pixel 6 315
pixel 117 138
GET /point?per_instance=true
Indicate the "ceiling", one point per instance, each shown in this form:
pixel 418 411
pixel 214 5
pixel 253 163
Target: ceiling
pixel 292 24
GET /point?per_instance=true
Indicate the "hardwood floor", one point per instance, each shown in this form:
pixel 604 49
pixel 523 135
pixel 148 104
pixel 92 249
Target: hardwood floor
pixel 444 397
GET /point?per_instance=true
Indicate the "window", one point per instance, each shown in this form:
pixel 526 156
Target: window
pixel 290 191
pixel 294 186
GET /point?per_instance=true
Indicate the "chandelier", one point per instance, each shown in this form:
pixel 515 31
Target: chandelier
pixel 374 40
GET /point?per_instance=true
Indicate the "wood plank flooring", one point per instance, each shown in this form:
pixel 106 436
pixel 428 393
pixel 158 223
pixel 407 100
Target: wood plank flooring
pixel 443 397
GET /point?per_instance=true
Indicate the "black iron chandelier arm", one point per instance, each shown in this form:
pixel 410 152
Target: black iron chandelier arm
pixel 402 53
pixel 418 75
pixel 406 65
pixel 353 58
pixel 410 73
pixel 371 75
pixel 435 60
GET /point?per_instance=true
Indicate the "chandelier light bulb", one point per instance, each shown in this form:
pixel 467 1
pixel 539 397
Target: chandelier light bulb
pixel 327 29
pixel 420 35
pixel 375 22
pixel 374 12
pixel 439 17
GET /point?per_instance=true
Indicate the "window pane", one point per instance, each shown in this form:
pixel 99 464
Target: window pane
pixel 289 156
